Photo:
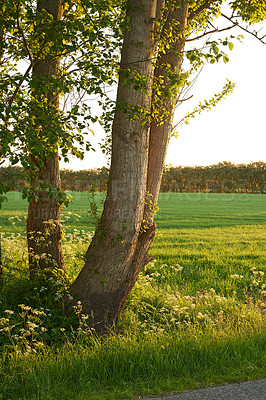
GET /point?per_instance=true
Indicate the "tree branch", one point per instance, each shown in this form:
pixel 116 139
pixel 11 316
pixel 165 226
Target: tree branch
pixel 23 36
pixel 236 24
pixel 182 100
pixel 32 64
pixel 210 32
pixel 2 35
pixel 208 104
pixel 22 79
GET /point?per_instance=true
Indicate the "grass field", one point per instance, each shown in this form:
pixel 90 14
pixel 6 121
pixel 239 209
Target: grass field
pixel 194 318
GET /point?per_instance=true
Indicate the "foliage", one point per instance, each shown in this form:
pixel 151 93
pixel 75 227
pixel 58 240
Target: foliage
pixel 86 41
pixel 252 11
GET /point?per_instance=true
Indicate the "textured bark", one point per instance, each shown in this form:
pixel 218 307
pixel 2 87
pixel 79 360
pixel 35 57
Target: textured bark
pixel 160 134
pixel 119 249
pixel 2 35
pixel 1 264
pixel 43 223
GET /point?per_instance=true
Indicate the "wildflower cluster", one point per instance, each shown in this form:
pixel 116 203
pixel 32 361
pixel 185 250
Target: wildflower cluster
pixel 85 329
pixel 75 245
pixel 165 312
pixel 14 250
pixel 70 217
pixel 15 219
pixel 155 310
pixel 30 330
pixel 22 332
pixel 257 280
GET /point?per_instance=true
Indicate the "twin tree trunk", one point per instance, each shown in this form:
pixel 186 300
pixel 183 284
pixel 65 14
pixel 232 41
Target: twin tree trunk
pixel 119 249
pixel 43 222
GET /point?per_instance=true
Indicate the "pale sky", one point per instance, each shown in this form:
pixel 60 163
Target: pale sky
pixel 233 131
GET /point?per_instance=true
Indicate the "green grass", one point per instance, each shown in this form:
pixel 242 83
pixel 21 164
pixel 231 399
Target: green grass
pixel 193 319
pixel 176 210
pixel 123 368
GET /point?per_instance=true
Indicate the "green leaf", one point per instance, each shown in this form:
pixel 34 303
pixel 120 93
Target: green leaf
pixel 231 45
pixel 225 59
pixel 215 49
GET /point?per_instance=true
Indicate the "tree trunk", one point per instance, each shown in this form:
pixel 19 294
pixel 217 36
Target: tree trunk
pixel 43 223
pixel 2 35
pixel 1 263
pixel 119 249
pixel 161 133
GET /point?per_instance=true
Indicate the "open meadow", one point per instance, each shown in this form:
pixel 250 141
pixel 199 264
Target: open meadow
pixel 194 318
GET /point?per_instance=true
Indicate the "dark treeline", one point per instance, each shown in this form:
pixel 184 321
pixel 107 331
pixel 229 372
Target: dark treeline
pixel 224 177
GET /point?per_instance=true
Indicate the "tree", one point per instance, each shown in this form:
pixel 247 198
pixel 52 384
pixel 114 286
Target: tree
pixel 43 221
pixel 121 236
pixel 147 94
pixel 1 54
pixel 127 229
pixel 62 43
pixel 151 83
pixel 1 42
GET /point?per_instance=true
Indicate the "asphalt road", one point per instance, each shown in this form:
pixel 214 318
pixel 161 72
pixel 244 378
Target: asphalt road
pixel 250 390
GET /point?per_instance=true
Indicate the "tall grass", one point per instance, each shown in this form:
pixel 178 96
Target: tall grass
pixel 194 318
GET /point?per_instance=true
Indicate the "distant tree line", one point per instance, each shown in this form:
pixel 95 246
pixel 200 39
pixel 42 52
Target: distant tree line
pixel 224 177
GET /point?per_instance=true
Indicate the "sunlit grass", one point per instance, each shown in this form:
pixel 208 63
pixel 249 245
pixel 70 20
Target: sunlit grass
pixel 194 318
pixel 124 368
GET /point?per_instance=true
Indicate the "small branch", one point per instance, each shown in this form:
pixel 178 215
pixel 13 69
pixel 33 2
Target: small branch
pixel 211 24
pixel 32 64
pixel 2 35
pixel 236 24
pixel 19 84
pixel 65 12
pixel 185 117
pixel 54 97
pixel 182 100
pixel 212 103
pixel 210 32
pixel 23 36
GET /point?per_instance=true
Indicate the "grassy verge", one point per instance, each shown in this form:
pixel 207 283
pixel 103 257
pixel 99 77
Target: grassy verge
pixel 123 367
pixel 194 318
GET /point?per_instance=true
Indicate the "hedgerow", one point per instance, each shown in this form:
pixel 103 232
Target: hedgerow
pixel 224 177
